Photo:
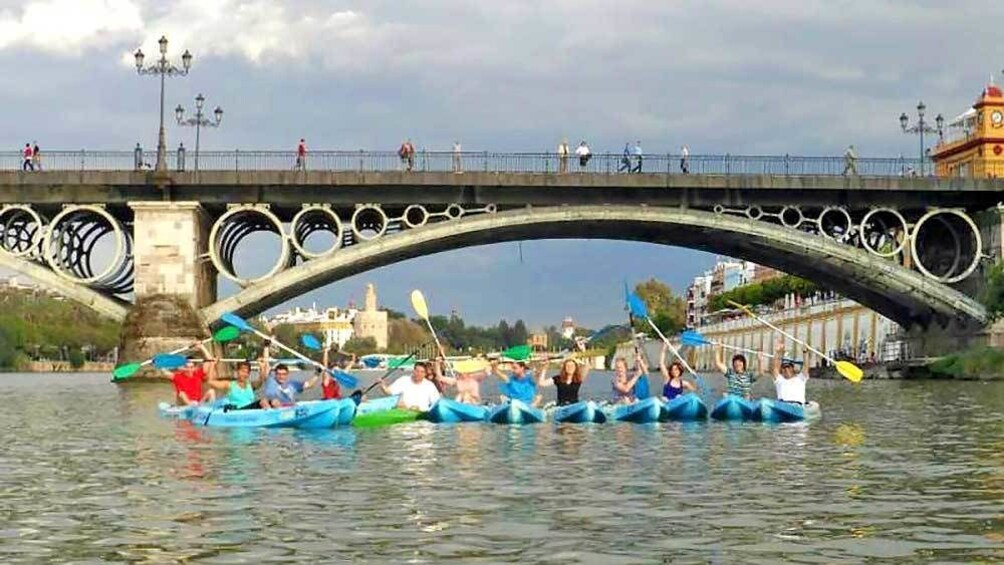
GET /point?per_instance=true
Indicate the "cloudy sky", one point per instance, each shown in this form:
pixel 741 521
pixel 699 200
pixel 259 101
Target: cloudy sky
pixel 768 77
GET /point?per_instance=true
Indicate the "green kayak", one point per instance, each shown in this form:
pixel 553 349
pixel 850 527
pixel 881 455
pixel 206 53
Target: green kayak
pixel 385 418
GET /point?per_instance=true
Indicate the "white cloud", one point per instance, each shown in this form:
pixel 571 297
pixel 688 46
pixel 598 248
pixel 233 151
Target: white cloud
pixel 68 26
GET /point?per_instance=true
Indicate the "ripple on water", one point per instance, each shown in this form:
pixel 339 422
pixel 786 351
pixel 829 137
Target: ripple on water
pixel 894 471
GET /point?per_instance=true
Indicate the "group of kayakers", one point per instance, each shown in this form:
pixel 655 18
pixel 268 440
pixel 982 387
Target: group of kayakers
pixel 198 380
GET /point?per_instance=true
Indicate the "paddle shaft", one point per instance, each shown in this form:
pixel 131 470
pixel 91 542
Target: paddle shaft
pixel 289 350
pixel 784 333
pixel 177 351
pixel 672 348
pixel 390 371
pixel 737 348
pixel 439 346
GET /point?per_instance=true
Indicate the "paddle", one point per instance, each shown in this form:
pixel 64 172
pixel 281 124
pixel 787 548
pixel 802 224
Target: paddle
pixel 638 309
pixel 515 353
pixel 422 309
pixel 345 379
pixel 223 335
pixel 848 370
pixel 310 342
pixel 694 338
pixel 169 361
pixel 641 387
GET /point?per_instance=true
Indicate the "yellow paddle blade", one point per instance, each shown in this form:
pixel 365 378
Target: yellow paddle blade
pixel 470 366
pixel 850 371
pixel 418 303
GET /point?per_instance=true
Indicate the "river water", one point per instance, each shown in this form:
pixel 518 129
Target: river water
pixel 905 471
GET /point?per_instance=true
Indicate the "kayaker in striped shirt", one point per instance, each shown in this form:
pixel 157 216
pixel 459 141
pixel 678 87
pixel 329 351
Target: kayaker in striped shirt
pixel 738 378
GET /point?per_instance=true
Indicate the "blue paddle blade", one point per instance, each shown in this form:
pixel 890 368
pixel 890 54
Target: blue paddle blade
pixel 637 306
pixel 169 361
pixel 692 338
pixel 347 380
pixel 310 342
pixel 641 389
pixel 236 321
pixel 371 362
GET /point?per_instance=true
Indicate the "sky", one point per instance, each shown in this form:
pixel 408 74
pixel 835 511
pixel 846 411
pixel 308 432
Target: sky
pixel 803 77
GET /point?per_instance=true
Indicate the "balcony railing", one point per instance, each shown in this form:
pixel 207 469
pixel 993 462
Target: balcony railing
pixel 479 161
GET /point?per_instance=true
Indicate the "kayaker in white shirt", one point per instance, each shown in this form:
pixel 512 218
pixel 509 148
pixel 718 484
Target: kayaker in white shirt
pixel 416 391
pixel 789 383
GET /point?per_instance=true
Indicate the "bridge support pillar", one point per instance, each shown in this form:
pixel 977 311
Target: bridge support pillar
pixel 174 278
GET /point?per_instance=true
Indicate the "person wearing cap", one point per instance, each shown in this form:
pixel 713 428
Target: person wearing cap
pixel 188 380
pixel 738 378
pixel 789 383
pixel 519 383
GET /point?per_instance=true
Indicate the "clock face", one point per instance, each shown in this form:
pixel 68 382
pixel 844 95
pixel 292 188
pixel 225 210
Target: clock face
pixel 997 118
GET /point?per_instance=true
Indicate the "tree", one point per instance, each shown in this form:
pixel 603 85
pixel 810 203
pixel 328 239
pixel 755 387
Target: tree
pixel 992 295
pixel 519 334
pixel 668 311
pixel 404 336
pixel 505 334
pixel 360 345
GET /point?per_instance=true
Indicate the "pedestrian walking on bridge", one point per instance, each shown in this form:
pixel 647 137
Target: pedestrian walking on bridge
pixel 36 157
pixel 457 158
pixel 301 156
pixel 625 159
pixel 563 153
pixel 638 155
pixel 850 162
pixel 684 160
pixel 584 154
pixel 27 165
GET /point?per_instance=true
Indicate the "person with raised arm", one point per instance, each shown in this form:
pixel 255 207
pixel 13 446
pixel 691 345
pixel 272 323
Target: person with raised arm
pixel 622 385
pixel 189 379
pixel 567 382
pixel 518 384
pixel 672 377
pixel 739 378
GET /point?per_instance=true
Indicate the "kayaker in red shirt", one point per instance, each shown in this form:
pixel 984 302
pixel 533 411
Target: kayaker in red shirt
pixel 189 379
pixel 329 385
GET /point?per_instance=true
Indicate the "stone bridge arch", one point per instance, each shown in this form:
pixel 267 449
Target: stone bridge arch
pixel 103 304
pixel 900 294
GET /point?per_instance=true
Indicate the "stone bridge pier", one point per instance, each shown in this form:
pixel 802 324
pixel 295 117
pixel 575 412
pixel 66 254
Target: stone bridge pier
pixel 174 279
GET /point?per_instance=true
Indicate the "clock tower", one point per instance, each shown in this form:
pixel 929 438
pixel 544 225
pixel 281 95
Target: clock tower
pixel 974 143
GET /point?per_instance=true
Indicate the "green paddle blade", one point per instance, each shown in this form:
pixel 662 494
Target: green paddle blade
pixel 518 353
pixel 125 371
pixel 226 333
pixel 397 362
pixel 850 371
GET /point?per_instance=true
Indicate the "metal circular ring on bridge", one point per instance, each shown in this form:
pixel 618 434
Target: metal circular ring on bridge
pixel 887 231
pixel 454 211
pixel 718 209
pixel 313 219
pixel 69 243
pixel 754 212
pixel 968 250
pixel 791 216
pixel 369 221
pixel 836 229
pixel 234 225
pixel 20 239
pixel 491 209
pixel 415 216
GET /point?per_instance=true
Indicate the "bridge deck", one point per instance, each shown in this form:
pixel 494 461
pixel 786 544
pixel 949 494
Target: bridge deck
pixel 291 188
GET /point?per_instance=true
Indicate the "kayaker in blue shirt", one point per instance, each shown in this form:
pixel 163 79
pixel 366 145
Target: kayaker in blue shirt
pixel 738 378
pixel 519 383
pixel 622 385
pixel 279 390
pixel 672 377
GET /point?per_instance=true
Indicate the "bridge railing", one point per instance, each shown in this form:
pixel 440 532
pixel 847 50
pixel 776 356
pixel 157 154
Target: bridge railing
pixel 477 161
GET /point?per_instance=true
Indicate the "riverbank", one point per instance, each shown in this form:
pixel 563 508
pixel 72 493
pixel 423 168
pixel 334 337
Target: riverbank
pixel 979 364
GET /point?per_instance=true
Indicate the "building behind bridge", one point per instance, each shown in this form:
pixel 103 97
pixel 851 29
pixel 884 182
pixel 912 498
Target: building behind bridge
pixel 338 325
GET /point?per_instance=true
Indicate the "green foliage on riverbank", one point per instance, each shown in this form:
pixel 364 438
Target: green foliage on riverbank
pixel 992 295
pixel 766 292
pixel 34 325
pixel 976 363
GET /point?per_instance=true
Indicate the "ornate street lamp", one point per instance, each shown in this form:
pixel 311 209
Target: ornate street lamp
pixel 162 68
pixel 199 121
pixel 921 128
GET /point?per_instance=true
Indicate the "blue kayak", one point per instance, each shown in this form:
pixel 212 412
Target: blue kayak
pixel 776 411
pixel 381 404
pixel 584 412
pixel 168 410
pixel 446 411
pixel 733 409
pixel 515 412
pixel 684 408
pixel 642 412
pixel 307 415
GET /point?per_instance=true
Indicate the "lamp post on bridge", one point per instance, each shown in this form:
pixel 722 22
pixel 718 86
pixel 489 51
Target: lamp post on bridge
pixel 921 128
pixel 162 68
pixel 199 121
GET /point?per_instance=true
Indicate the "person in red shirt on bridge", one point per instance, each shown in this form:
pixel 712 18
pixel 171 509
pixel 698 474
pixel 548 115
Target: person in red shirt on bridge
pixel 189 379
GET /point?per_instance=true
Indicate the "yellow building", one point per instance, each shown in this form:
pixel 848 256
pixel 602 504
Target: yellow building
pixel 974 143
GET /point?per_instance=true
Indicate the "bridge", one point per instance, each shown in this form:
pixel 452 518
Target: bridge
pixel 149 248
